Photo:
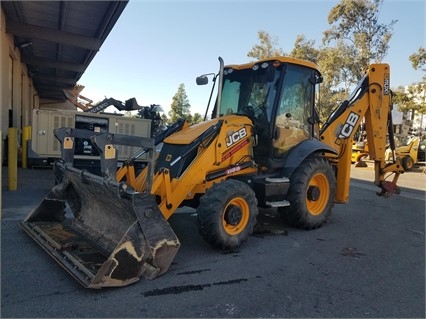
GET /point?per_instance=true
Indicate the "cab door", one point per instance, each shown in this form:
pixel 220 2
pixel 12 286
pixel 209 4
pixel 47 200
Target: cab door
pixel 295 106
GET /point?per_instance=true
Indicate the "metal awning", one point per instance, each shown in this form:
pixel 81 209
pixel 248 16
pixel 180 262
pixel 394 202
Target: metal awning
pixel 59 39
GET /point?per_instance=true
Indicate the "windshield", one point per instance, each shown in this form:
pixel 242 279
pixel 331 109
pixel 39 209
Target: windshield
pixel 249 92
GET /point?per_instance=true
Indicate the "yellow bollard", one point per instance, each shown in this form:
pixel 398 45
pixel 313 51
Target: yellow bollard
pixel 12 158
pixel 26 136
pixel 1 169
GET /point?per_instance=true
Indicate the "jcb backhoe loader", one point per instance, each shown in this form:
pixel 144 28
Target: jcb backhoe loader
pixel 262 148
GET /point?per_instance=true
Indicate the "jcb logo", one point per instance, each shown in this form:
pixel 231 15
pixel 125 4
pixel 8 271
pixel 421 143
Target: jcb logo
pixel 236 136
pixel 349 125
pixel 386 85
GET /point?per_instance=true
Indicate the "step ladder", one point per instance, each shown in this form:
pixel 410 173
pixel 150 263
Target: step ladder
pixel 277 180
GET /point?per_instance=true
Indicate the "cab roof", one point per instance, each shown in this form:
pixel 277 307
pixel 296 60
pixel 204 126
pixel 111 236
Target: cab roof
pixel 283 59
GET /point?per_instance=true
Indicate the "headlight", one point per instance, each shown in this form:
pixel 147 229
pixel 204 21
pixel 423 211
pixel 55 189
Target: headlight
pixel 264 65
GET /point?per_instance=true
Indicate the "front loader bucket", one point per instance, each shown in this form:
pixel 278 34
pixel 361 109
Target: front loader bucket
pixel 102 232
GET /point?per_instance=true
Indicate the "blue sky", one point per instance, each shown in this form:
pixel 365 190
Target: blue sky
pixel 157 45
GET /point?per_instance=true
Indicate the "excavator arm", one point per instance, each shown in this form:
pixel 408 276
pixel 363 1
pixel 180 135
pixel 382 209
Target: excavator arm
pixel 129 105
pixel 372 101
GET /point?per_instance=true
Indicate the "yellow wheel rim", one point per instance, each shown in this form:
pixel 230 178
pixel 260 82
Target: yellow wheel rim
pixel 235 216
pixel 318 194
pixel 410 163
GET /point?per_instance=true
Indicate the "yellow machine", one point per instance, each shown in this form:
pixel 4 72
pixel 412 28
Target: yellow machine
pixel 359 151
pixel 262 148
pixel 408 153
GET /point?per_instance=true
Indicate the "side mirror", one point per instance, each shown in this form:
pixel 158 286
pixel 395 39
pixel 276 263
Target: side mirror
pixel 202 80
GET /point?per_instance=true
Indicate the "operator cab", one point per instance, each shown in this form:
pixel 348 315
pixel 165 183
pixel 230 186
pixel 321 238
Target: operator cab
pixel 278 95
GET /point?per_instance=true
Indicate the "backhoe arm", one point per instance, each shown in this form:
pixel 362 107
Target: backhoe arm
pixel 372 101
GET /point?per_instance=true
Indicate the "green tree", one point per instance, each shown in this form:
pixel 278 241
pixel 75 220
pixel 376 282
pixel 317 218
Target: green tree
pixel 165 119
pixel 417 91
pixel 304 49
pixel 355 38
pixel 337 67
pixel 197 118
pixel 267 48
pixel 410 100
pixel 355 22
pixel 180 107
pixel 403 100
pixel 417 96
pixel 337 80
pixel 418 59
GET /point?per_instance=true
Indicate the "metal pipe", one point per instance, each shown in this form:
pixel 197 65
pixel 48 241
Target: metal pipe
pixel 219 89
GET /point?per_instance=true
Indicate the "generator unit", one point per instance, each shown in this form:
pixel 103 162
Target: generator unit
pixel 44 149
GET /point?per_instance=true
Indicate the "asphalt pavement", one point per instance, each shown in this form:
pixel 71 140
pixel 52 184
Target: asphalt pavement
pixel 34 184
pixel 368 261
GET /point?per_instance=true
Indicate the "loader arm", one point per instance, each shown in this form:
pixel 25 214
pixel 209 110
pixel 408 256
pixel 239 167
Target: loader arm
pixel 129 105
pixel 372 101
pixel 127 170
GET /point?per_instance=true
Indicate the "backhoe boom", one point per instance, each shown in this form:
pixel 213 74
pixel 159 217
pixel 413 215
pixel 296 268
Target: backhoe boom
pixel 372 101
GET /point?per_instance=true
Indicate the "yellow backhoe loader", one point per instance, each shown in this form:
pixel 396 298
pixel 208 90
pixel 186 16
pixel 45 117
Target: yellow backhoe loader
pixel 408 153
pixel 262 148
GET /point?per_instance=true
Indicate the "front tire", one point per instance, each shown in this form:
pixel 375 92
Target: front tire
pixel 407 163
pixel 227 214
pixel 311 194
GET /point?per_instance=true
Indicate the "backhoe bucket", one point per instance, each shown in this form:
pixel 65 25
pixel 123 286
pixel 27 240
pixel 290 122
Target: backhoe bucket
pixel 102 232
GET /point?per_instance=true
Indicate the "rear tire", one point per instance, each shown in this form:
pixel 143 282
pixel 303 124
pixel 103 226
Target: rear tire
pixel 311 194
pixel 407 163
pixel 227 214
